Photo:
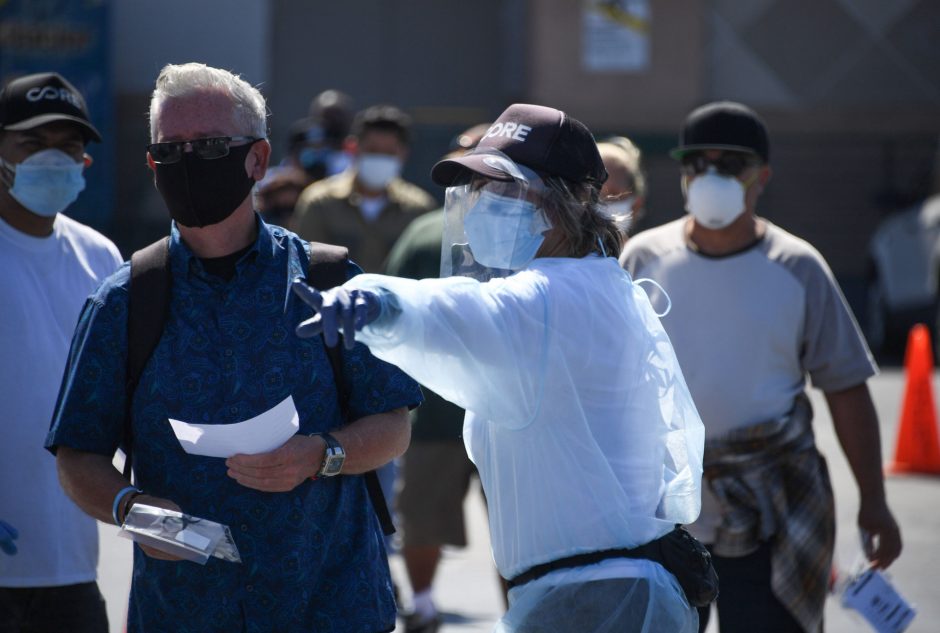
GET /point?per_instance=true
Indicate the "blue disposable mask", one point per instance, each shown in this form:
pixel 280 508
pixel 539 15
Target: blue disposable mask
pixel 375 171
pixel 504 232
pixel 320 162
pixel 47 182
pixel 311 157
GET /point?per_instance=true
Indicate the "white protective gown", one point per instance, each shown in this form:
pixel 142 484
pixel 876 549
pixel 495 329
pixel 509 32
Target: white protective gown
pixel 578 419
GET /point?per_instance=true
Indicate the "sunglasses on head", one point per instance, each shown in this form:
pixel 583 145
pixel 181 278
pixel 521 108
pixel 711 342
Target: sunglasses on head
pixel 727 163
pixel 204 148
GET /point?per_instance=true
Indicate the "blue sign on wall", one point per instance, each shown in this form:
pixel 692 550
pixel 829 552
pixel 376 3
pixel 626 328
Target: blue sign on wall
pixel 69 37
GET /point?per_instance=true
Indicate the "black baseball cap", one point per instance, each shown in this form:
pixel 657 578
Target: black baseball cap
pixel 34 100
pixel 543 139
pixel 723 125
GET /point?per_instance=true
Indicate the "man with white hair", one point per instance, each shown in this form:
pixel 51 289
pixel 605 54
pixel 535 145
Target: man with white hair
pixel 312 556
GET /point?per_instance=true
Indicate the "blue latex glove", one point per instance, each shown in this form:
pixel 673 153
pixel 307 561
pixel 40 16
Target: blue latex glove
pixel 338 310
pixel 8 534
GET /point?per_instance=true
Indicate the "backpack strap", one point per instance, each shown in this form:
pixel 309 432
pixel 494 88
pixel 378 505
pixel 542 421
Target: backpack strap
pixel 147 309
pixel 328 265
pixel 327 270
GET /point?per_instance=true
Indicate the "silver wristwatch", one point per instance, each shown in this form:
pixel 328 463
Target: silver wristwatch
pixel 333 457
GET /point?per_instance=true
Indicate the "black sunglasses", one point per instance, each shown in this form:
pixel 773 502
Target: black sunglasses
pixel 727 163
pixel 205 148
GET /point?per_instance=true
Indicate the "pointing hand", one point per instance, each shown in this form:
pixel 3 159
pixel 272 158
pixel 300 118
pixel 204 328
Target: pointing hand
pixel 337 310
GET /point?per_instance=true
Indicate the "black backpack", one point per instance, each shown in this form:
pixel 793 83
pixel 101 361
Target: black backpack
pixel 149 306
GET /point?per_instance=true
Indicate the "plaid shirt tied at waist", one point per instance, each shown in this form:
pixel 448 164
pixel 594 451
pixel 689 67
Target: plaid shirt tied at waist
pixel 773 486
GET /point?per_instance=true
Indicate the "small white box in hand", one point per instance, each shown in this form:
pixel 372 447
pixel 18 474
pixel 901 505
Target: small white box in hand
pixel 873 596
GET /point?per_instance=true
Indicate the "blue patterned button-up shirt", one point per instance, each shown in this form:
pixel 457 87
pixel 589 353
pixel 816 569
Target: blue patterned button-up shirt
pixel 313 558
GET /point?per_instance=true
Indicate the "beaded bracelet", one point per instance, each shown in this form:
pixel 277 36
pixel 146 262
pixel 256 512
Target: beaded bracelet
pixel 117 500
pixel 125 506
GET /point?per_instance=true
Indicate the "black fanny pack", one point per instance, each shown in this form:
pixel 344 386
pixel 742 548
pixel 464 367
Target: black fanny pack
pixel 678 551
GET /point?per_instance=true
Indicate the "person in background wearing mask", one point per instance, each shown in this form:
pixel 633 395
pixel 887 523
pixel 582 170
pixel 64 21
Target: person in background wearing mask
pixel 277 195
pixel 624 193
pixel 49 264
pixel 318 142
pixel 436 474
pixel 754 311
pixel 578 419
pixel 368 206
pixel 311 547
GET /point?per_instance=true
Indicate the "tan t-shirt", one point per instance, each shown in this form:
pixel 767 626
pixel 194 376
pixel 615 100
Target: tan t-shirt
pixel 330 211
pixel 749 327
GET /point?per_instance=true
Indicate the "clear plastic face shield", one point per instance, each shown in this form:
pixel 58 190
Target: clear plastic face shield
pixel 493 227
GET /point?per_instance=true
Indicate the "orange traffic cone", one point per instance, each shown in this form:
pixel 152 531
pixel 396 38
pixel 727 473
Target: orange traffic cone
pixel 918 447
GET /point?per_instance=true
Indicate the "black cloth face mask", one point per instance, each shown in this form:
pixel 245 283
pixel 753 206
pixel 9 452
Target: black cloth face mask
pixel 199 192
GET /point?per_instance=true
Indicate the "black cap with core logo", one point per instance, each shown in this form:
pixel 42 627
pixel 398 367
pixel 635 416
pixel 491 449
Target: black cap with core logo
pixel 34 100
pixel 543 139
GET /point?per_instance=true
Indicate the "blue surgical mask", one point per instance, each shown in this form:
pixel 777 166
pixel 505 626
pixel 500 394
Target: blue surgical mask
pixel 47 182
pixel 375 171
pixel 504 232
pixel 338 161
pixel 320 162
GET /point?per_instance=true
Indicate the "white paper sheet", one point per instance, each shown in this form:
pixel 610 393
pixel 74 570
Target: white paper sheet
pixel 259 434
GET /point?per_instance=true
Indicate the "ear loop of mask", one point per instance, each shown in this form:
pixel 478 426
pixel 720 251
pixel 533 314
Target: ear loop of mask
pixel 665 294
pixel 601 245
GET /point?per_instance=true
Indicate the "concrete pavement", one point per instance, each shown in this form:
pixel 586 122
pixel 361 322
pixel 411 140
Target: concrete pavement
pixel 467 591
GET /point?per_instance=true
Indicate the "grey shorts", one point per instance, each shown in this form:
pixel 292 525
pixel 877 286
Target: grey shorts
pixel 435 478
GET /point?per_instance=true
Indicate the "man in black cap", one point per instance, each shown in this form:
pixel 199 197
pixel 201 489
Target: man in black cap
pixel 577 417
pixel 49 264
pixel 756 309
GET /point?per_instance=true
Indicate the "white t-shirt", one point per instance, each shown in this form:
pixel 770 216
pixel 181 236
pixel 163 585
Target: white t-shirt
pixel 43 284
pixel 749 327
pixel 578 418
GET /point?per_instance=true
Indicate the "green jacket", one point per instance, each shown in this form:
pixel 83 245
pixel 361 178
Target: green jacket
pixel 417 255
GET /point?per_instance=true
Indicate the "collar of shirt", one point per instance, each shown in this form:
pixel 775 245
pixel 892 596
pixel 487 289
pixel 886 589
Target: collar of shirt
pixel 185 264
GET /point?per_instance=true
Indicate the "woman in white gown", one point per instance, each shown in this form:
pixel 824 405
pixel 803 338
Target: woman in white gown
pixel 578 417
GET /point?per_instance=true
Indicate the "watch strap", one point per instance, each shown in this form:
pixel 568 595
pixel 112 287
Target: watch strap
pixel 332 448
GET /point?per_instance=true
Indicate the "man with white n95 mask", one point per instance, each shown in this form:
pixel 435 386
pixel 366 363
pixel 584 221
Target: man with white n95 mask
pixel 578 418
pixel 756 311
